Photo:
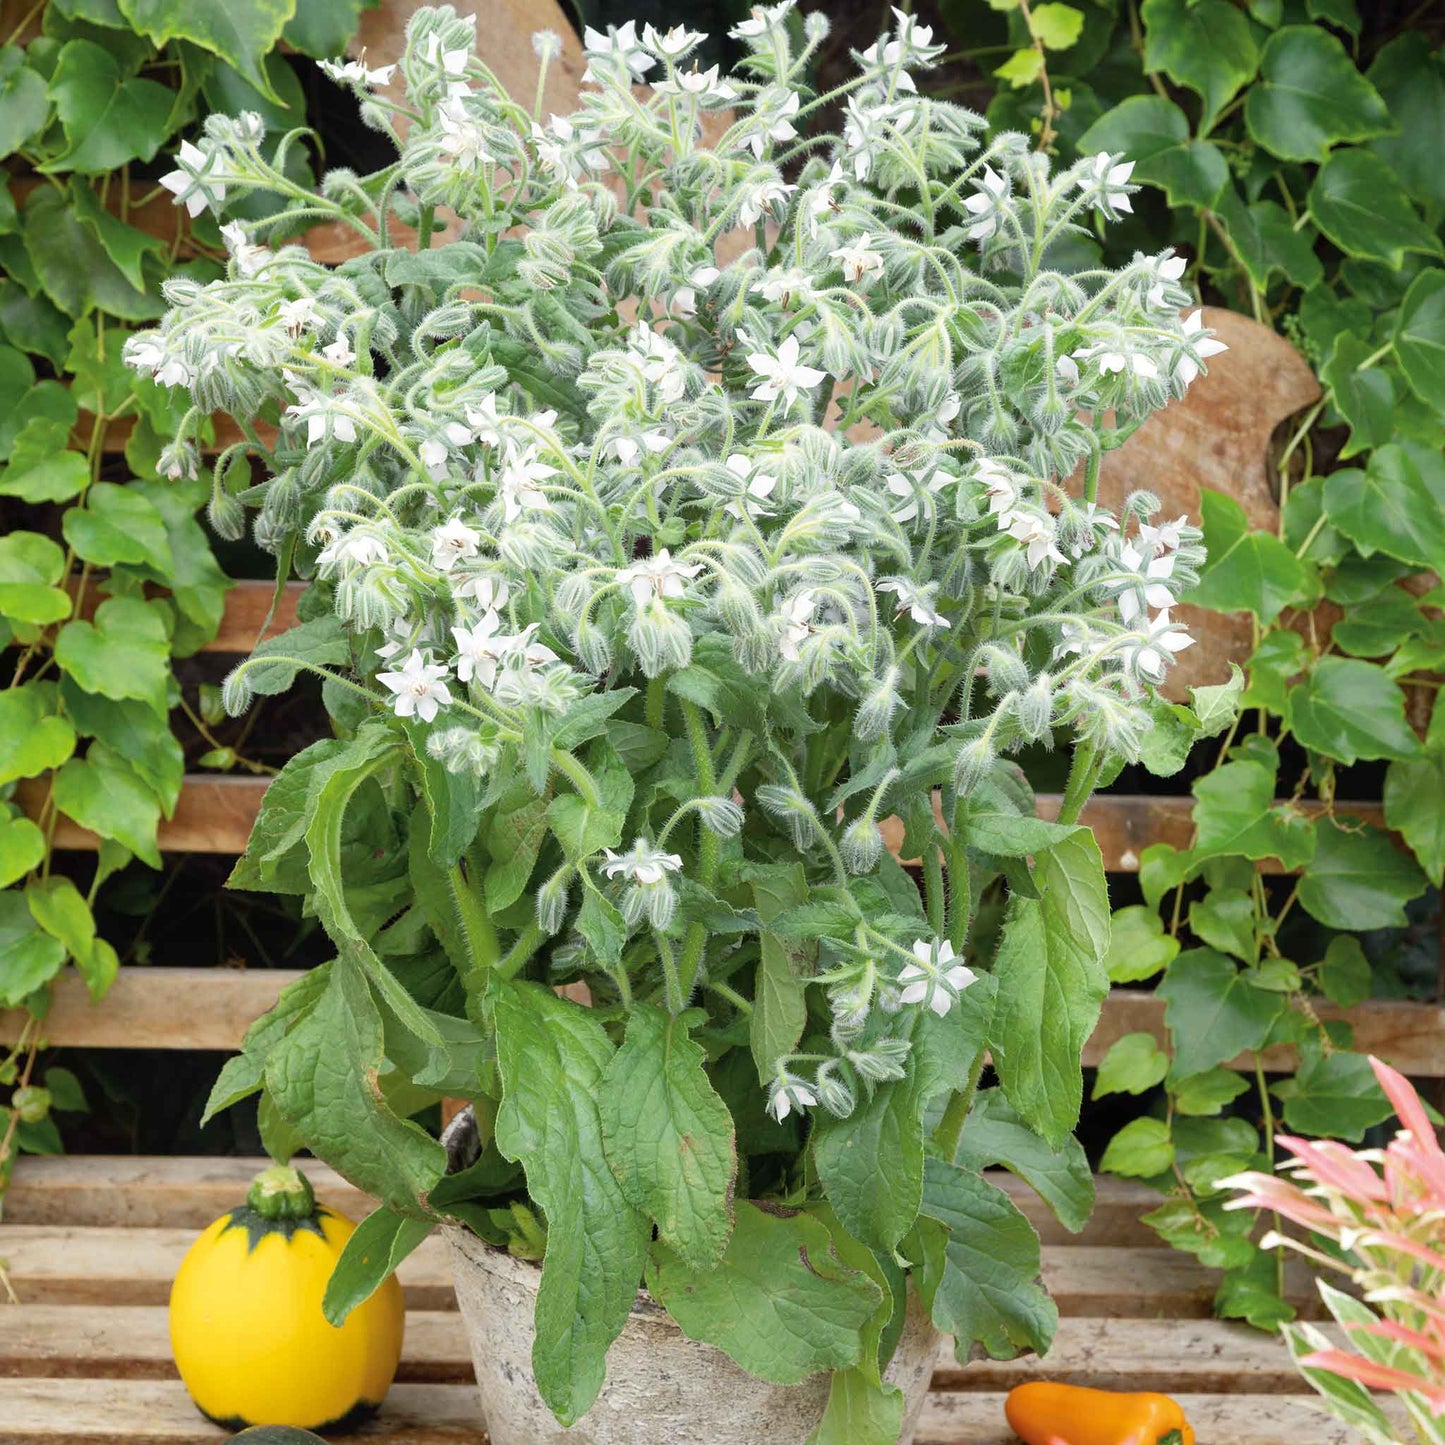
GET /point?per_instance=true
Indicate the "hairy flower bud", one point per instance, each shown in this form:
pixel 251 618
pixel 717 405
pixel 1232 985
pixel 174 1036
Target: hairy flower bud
pixel 1004 669
pixel 792 810
pixel 552 900
pixel 973 763
pixel 878 708
pixel 721 816
pixel 226 515
pixel 1034 708
pixel 661 639
pixel 833 1094
pixel 236 693
pixel 861 845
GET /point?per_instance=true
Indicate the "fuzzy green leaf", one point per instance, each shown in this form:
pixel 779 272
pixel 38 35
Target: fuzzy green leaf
pixel 369 1258
pixel 780 1007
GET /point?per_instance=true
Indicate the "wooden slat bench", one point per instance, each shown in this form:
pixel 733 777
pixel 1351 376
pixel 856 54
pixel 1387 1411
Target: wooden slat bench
pixel 91 1246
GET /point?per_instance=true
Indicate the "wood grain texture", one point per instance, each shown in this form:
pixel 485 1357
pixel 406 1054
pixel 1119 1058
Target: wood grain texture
pixel 211 1008
pixel 247 605
pixel 118 1190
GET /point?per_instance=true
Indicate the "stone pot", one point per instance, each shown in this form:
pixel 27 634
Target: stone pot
pixel 662 1388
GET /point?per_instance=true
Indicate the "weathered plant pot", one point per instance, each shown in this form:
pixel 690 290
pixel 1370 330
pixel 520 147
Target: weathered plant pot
pixel 662 1388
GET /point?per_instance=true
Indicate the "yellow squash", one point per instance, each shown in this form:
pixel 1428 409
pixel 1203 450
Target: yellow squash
pixel 247 1330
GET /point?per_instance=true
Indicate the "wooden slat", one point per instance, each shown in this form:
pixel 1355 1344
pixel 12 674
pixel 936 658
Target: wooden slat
pixel 210 1008
pixel 158 1412
pixel 135 1266
pixel 126 1190
pixel 978 1419
pixel 247 604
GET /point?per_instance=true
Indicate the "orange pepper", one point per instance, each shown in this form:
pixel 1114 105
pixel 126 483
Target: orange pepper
pixel 1042 1413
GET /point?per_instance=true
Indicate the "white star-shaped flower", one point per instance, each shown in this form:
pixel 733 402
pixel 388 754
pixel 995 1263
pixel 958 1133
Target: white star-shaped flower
pixel 1151 652
pixel 1039 535
pixel 1200 348
pixel 1109 181
pixel 858 260
pixel 913 600
pixel 197 181
pixel 619 42
pixel 931 980
pixel 419 687
pixel 480 649
pixel 452 542
pixel 797 613
pixel 984 203
pixel 657 576
pixel 783 375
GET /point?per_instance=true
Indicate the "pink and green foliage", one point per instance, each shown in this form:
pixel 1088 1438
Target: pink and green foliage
pixel 1381 1216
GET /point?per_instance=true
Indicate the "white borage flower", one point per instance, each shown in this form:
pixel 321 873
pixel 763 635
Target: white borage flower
pixel 1148 585
pixel 618 43
pixel 179 461
pixel 300 314
pixel 1038 534
pixel 484 589
pixel 435 451
pixel 818 201
pixel 762 19
pixel 913 490
pixel 339 352
pixel 1165 273
pixel 936 979
pixel 356 72
pixel 463 135
pixel 771 120
pixel 797 617
pixel 785 286
pixel 858 260
pixel 401 635
pixel 783 375
pixel 148 354
pixel 419 685
pixel 1119 360
pixel 1106 181
pixel 480 649
pixel 644 862
pixel 199 179
pixel 452 64
pixel 569 151
pixel 248 257
pixel 1149 653
pixel 1166 537
pixel 986 204
pixel 1198 347
pixel 1003 490
pixel 484 421
pixel 683 301
pixel 518 481
pixel 868 125
pixel 673 43
pixel 787 1095
pixel 657 576
pixel 915 600
pixel 453 542
pixel 325 417
pixel 767 195
pixel 757 487
pixel 627 448
pixel 357 547
pixel 702 87
pixel 662 365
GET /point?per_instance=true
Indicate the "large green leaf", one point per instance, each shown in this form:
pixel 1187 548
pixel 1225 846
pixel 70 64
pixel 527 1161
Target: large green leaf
pixel 1413 790
pixel 197 583
pixel 275 856
pixel 1207 45
pixel 33 739
pixel 1335 1095
pixel 1420 338
pixel 136 731
pixel 1350 709
pixel 124 653
pixel 370 1255
pixel 780 1007
pixel 1409 73
pixel 1390 507
pixel 1359 879
pixel 1154 133
pixel 1138 945
pixel 1214 1010
pixel 22 846
pixel 1363 209
pixel 779 1303
pixel 1051 984
pixel 859 1412
pixel 29 957
pixel 983 1285
pixel 109 117
pixel 1134 1064
pixel 117 524
pixel 321 28
pixel 1310 97
pixel 102 792
pixel 72 265
pixel 1247 571
pixel 24 106
pixel 553 1056
pixel 669 1137
pixel 242 35
pixel 1266 240
pixel 1362 394
pixel 1236 815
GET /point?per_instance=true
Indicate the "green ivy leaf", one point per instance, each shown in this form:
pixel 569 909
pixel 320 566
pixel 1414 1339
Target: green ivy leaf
pixel 242 35
pixel 1134 1064
pixel 983 1286
pixel 1215 707
pixel 128 247
pixel 32 323
pixel 197 584
pixel 1410 77
pixel 30 557
pixel 1207 46
pixel 1140 1150
pixel 1391 506
pixel 1344 973
pixel 1154 133
pixel 102 792
pixel 1051 984
pixel 137 732
pixel 1359 879
pixel 1214 1011
pixel 28 602
pixel 117 524
pixel 779 1303
pixel 124 653
pixel 1224 919
pixel 57 905
pixel 1022 68
pixel 321 28
pixel 1055 26
pixel 1208 1093
pixel 73 267
pixel 109 117
pixel 1348 709
pixel 24 106
pixel 1420 338
pixel 1138 946
pixel 1310 97
pixel 29 957
pixel 1247 571
pixel 669 1137
pixel 1364 210
pixel 1236 815
pixel 22 846
pixel 1266 241
pixel 1362 394
pixel 1334 1096
pixel 54 478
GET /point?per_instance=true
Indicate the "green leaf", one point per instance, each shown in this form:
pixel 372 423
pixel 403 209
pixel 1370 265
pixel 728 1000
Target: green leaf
pixel 1010 835
pixel 1138 945
pixel 1310 97
pixel 25 602
pixel 241 35
pixel 779 1303
pixel 322 642
pixel 780 1007
pixel 1413 789
pixel 1207 46
pixel 1224 919
pixel 32 323
pixel 1349 709
pixel 1236 815
pixel 994 1136
pixel 1022 68
pixel 669 1137
pixel 1051 984
pixel 985 1291
pixel 1335 1096
pixel 1140 1150
pixel 1134 1064
pixel 1344 974
pixel 1390 507
pixel 134 730
pixel 1266 241
pixel 56 478
pixel 321 28
pixel 58 907
pixel 1214 1011
pixel 1056 26
pixel 24 107
pixel 859 1412
pixel 1209 1092
pixel 109 117
pixel 1364 210
pixel 102 792
pixel 22 846
pixel 1410 76
pixel 73 267
pixel 368 1259
pixel 29 958
pixel 1362 394
pixel 225 89
pixel 1155 135
pixel 98 968
pixel 33 739
pixel 515 831
pixel 65 1091
pixel 117 524
pixel 1216 707
pixel 553 1057
pixel 1247 571
pixel 1420 338
pixel 1359 879
pixel 124 653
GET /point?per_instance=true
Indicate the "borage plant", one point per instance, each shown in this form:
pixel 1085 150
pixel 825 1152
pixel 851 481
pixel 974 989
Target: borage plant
pixel 649 586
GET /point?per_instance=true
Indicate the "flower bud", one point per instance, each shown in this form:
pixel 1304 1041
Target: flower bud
pixel 973 763
pixel 883 1061
pixel 875 713
pixel 792 810
pixel 552 900
pixel 593 649
pixel 1004 669
pixel 661 639
pixel 861 845
pixel 721 816
pixel 1034 708
pixel 833 1094
pixel 226 515
pixel 236 692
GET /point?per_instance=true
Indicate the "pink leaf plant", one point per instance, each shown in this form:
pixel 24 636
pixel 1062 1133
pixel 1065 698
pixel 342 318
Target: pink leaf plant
pixel 1378 1216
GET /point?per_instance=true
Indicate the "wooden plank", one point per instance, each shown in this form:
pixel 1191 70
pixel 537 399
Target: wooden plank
pixel 132 1342
pixel 113 1191
pixel 211 1008
pixel 1224 1419
pixel 158 1412
pixel 247 604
